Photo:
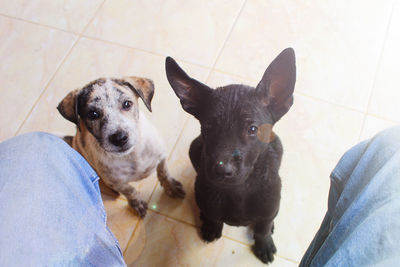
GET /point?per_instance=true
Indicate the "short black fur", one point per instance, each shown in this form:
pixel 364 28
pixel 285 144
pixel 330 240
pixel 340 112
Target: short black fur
pixel 237 167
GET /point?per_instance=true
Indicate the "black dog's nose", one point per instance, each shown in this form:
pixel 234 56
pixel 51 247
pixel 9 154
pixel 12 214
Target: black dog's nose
pixel 118 139
pixel 224 169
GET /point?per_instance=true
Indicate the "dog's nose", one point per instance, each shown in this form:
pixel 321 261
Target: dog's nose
pixel 118 139
pixel 224 169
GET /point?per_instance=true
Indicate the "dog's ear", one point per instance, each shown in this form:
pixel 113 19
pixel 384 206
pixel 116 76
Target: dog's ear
pixel 68 107
pixel 192 93
pixel 277 84
pixel 143 87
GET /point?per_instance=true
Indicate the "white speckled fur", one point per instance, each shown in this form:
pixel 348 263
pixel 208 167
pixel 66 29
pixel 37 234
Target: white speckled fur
pixel 145 153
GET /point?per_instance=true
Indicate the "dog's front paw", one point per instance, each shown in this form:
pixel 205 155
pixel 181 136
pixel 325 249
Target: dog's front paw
pixel 211 231
pixel 139 205
pixel 265 250
pixel 174 189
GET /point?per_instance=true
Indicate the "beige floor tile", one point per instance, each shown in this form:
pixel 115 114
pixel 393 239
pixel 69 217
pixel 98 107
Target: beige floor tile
pixel 29 56
pixel 386 93
pixel 72 15
pixel 161 241
pixel 337 45
pixel 374 125
pixel 196 33
pixel 181 168
pixel 315 135
pixel 92 59
pixel 120 219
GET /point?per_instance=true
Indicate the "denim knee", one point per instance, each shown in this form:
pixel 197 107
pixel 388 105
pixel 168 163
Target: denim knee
pixel 388 139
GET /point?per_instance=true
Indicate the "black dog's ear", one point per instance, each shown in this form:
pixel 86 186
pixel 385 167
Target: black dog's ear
pixel 277 84
pixel 68 107
pixel 143 87
pixel 192 93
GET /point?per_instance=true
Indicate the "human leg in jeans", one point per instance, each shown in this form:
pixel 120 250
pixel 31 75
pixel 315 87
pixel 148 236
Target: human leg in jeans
pixel 362 224
pixel 51 211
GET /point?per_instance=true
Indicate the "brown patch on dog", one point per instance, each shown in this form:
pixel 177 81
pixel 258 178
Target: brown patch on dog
pixel 265 133
pixel 84 132
pixel 105 189
pixel 142 86
pixel 68 106
pixel 68 139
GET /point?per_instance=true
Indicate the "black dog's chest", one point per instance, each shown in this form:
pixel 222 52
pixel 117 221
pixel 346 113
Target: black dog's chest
pixel 238 207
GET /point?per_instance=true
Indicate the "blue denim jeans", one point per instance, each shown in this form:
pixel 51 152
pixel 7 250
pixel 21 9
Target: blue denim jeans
pixel 51 211
pixel 362 224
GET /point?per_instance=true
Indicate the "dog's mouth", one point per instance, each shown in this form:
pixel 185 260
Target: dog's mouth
pixel 118 150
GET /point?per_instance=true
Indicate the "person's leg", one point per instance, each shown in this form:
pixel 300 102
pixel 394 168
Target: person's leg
pixel 51 211
pixel 362 224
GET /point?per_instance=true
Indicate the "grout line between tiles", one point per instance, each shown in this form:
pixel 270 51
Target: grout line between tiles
pixel 57 69
pixel 155 187
pixel 225 236
pixel 38 24
pixel 381 118
pixel 46 86
pixel 144 51
pixel 82 35
pixel 328 102
pixel 377 68
pixel 170 154
pixel 103 40
pixel 132 236
pixel 226 39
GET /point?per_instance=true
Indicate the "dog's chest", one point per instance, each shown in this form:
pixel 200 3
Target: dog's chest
pixel 128 169
pixel 238 207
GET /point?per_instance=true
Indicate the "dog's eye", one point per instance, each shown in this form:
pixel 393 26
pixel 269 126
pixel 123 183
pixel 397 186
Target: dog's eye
pixel 93 115
pixel 127 105
pixel 252 130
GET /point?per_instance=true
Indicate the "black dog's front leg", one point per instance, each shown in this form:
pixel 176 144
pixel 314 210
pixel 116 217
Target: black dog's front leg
pixel 264 247
pixel 210 230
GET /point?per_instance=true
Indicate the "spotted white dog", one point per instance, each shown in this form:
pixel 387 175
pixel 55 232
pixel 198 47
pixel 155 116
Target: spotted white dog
pixel 116 138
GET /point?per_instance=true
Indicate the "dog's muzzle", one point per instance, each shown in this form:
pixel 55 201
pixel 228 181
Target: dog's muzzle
pixel 223 169
pixel 118 139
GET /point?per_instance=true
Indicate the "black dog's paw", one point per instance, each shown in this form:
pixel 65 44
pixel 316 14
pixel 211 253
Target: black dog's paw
pixel 265 250
pixel 174 189
pixel 211 231
pixel 139 205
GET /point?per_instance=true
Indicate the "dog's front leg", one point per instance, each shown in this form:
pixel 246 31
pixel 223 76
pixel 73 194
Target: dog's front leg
pixel 133 198
pixel 172 187
pixel 210 229
pixel 264 247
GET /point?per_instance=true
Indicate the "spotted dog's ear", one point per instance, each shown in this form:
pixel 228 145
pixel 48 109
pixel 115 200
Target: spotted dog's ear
pixel 143 87
pixel 68 107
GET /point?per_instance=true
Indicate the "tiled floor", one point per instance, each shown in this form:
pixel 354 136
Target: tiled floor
pixel 347 90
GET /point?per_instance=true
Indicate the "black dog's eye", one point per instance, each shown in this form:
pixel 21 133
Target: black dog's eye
pixel 93 115
pixel 127 105
pixel 252 130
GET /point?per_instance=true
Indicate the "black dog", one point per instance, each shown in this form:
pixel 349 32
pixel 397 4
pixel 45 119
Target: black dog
pixel 237 156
